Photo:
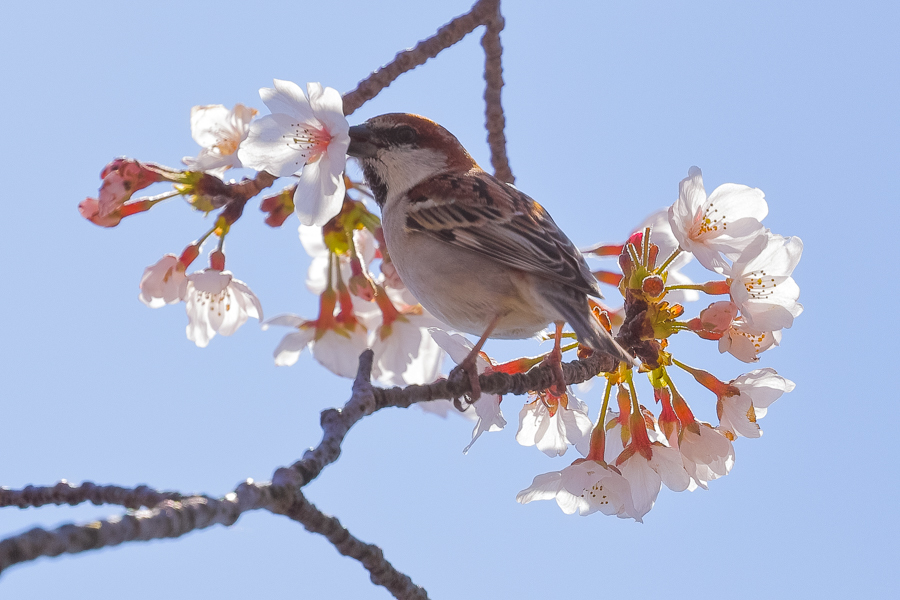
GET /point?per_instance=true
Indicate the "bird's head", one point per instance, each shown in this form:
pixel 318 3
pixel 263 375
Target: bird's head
pixel 398 150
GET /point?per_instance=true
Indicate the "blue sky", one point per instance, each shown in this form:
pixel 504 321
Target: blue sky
pixel 608 105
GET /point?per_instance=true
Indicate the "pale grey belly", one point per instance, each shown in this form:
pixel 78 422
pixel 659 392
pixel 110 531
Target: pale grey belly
pixel 467 290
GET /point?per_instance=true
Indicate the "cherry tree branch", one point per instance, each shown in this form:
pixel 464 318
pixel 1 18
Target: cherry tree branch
pixel 72 495
pixel 173 515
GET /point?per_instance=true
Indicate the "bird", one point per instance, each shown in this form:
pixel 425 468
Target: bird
pixel 477 253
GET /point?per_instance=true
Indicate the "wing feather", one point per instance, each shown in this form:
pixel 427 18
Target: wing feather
pixel 478 212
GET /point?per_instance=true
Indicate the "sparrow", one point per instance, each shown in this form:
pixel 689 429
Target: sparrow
pixel 477 253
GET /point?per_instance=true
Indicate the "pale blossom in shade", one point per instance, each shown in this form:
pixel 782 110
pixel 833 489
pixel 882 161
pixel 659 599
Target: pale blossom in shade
pixel 586 486
pixel 552 423
pixel 706 453
pixel 661 235
pixel 758 389
pixel 745 342
pixel 761 282
pixel 164 282
pixel 723 223
pixel 337 349
pixel 219 131
pixel 487 407
pixel 216 302
pixel 308 134
pixel 407 354
pixel 645 477
pixel 292 344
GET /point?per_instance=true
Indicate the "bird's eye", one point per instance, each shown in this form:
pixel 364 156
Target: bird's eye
pixel 405 135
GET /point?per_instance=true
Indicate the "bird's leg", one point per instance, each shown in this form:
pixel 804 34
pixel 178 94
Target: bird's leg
pixel 469 365
pixel 554 360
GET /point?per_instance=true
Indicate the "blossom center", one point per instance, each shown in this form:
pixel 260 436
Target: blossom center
pixel 759 285
pixel 308 139
pixel 709 221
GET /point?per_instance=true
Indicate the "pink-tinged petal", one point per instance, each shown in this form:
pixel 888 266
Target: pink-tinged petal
pixel 544 487
pixel 285 321
pixel 207 123
pixel 163 283
pixel 249 302
pixel 737 416
pixel 269 147
pixel 408 355
pixel 318 197
pixel 706 455
pixel 340 354
pixel 328 107
pixel 287 98
pixel 668 463
pixel 291 345
pixel 487 407
pixel 763 386
pixel 644 482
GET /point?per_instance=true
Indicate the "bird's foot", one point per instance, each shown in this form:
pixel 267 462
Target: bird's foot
pixel 554 361
pixel 469 368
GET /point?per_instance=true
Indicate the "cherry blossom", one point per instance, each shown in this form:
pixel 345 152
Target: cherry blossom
pixel 487 407
pixel 706 453
pixel 552 423
pixel 761 282
pixel 586 486
pixel 164 282
pixel 219 131
pixel 308 134
pixel 758 389
pixel 723 223
pixel 216 302
pixel 406 353
pixel 645 477
pixel 745 342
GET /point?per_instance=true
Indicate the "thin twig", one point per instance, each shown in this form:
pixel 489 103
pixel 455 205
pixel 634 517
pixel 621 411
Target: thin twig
pixel 381 572
pixel 495 121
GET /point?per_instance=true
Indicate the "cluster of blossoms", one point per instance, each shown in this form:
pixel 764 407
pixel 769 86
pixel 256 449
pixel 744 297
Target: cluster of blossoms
pixel 629 451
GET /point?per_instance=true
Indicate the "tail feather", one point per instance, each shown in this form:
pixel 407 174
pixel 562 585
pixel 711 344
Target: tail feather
pixel 573 306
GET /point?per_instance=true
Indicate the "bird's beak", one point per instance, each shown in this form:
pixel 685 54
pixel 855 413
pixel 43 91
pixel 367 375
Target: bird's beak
pixel 362 142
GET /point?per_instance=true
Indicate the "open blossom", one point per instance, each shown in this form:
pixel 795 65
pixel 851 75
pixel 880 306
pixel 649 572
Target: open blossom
pixel 487 407
pixel 302 133
pixel 586 486
pixel 761 282
pixel 219 131
pixel 552 423
pixel 723 223
pixel 706 453
pixel 645 476
pixel 758 389
pixel 336 348
pixel 164 283
pixel 406 353
pixel 216 302
pixel 745 342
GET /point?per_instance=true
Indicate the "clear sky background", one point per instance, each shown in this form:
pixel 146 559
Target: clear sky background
pixel 608 105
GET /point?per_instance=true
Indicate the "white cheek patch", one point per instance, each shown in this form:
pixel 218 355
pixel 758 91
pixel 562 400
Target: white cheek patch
pixel 402 168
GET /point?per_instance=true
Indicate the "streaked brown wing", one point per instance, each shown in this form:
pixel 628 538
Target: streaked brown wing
pixel 498 221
